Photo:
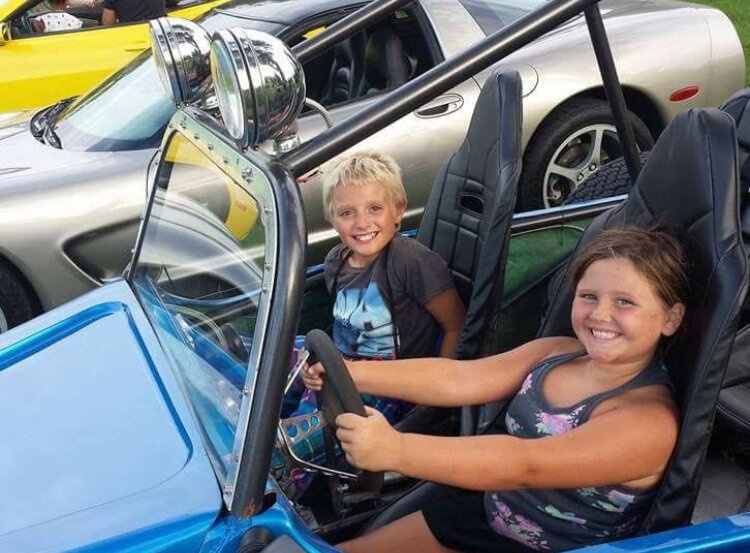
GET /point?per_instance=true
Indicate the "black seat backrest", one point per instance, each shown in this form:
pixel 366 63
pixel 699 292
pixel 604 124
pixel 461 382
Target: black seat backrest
pixel 738 106
pixel 467 218
pixel 386 65
pixel 689 182
pixel 346 72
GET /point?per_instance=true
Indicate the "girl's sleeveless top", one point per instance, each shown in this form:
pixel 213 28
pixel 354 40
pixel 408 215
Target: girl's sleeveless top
pixel 562 519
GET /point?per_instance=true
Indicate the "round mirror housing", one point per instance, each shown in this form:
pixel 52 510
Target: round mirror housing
pixel 181 54
pixel 259 84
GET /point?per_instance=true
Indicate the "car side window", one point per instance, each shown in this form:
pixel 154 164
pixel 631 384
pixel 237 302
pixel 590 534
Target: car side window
pixel 379 59
pixel 492 15
pixel 52 16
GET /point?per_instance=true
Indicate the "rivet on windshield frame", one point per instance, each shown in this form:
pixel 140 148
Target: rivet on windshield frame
pixel 246 391
pixel 267 210
pixel 228 488
pixel 170 126
pixel 183 123
pixel 196 137
pixel 225 160
pixel 247 174
pixel 266 289
pixel 267 266
pixel 210 147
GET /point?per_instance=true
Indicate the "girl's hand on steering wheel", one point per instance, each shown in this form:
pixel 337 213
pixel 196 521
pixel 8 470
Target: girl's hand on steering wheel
pixel 370 442
pixel 311 376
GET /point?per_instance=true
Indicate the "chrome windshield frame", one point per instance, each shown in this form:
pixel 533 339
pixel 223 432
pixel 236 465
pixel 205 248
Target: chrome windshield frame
pixel 223 154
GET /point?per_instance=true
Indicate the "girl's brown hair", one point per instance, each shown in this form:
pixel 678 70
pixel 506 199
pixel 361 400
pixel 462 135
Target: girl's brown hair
pixel 657 253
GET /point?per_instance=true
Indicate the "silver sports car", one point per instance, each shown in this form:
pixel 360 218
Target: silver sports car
pixel 73 176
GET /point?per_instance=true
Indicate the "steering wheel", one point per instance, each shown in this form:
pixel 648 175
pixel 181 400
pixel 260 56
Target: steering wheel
pixel 339 394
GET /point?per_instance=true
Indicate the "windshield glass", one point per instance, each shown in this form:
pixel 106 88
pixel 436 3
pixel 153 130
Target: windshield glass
pixel 131 109
pixel 199 273
pixel 492 15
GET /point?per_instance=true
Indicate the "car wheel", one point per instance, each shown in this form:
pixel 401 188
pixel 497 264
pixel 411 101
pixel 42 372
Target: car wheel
pixel 611 180
pixel 16 306
pixel 570 145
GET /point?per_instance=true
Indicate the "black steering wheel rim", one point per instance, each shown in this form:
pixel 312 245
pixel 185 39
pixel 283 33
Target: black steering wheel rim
pixel 339 394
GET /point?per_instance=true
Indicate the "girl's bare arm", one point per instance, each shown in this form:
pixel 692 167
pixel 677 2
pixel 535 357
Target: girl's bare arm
pixel 623 445
pixel 451 383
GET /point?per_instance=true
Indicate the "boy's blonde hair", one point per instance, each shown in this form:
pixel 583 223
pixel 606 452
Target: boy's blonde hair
pixel 360 168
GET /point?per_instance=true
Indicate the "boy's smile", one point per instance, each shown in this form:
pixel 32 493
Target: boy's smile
pixel 366 219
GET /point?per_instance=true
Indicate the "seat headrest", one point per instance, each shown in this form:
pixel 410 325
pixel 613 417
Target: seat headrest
pixel 386 65
pixel 343 53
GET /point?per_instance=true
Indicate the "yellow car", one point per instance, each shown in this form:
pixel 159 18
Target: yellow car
pixel 38 69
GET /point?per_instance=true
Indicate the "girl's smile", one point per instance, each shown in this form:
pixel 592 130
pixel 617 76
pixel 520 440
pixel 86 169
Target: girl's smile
pixel 617 315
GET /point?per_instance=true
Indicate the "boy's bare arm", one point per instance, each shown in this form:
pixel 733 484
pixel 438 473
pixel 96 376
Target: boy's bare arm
pixel 448 310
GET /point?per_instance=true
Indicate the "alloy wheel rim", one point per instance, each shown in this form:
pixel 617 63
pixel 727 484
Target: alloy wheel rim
pixel 579 156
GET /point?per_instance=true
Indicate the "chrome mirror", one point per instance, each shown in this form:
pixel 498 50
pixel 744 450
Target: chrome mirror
pixel 181 54
pixel 259 84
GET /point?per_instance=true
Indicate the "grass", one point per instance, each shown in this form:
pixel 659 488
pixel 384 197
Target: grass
pixel 738 12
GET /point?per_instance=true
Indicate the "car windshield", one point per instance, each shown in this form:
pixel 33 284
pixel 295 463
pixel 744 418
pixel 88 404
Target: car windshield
pixel 200 272
pixel 492 15
pixel 130 110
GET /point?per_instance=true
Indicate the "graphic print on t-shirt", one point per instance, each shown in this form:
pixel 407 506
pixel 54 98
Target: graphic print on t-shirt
pixel 363 323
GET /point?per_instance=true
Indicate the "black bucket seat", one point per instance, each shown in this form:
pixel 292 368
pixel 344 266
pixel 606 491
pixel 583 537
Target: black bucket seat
pixel 468 216
pixel 734 399
pixel 690 182
pixel 385 64
pixel 345 73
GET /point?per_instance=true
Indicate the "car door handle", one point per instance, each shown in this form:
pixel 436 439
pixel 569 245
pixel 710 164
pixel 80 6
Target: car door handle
pixel 440 106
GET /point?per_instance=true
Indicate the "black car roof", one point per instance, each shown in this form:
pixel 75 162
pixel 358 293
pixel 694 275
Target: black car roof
pixel 285 12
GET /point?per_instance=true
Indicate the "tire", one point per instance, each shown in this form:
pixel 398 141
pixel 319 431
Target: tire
pixel 611 180
pixel 16 305
pixel 561 154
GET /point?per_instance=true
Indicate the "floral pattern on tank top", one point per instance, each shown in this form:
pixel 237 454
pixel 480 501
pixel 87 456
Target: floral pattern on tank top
pixel 517 526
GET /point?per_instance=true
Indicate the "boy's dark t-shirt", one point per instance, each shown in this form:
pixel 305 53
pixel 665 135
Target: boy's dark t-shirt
pixel 405 277
pixel 136 10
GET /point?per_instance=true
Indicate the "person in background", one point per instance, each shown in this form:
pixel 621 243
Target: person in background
pixel 127 11
pixel 57 19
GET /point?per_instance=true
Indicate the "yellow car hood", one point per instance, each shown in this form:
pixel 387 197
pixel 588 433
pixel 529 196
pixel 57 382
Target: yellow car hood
pixel 9 6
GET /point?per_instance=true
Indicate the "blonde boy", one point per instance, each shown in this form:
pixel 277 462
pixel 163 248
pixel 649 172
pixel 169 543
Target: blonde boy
pixel 393 296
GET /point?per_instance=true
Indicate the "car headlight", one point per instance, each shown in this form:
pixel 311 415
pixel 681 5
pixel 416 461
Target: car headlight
pixel 181 53
pixel 259 84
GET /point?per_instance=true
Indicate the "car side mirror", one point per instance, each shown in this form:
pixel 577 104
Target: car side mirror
pixel 4 33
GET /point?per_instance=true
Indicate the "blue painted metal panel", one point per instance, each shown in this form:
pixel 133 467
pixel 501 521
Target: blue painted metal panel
pixel 722 535
pixel 99 450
